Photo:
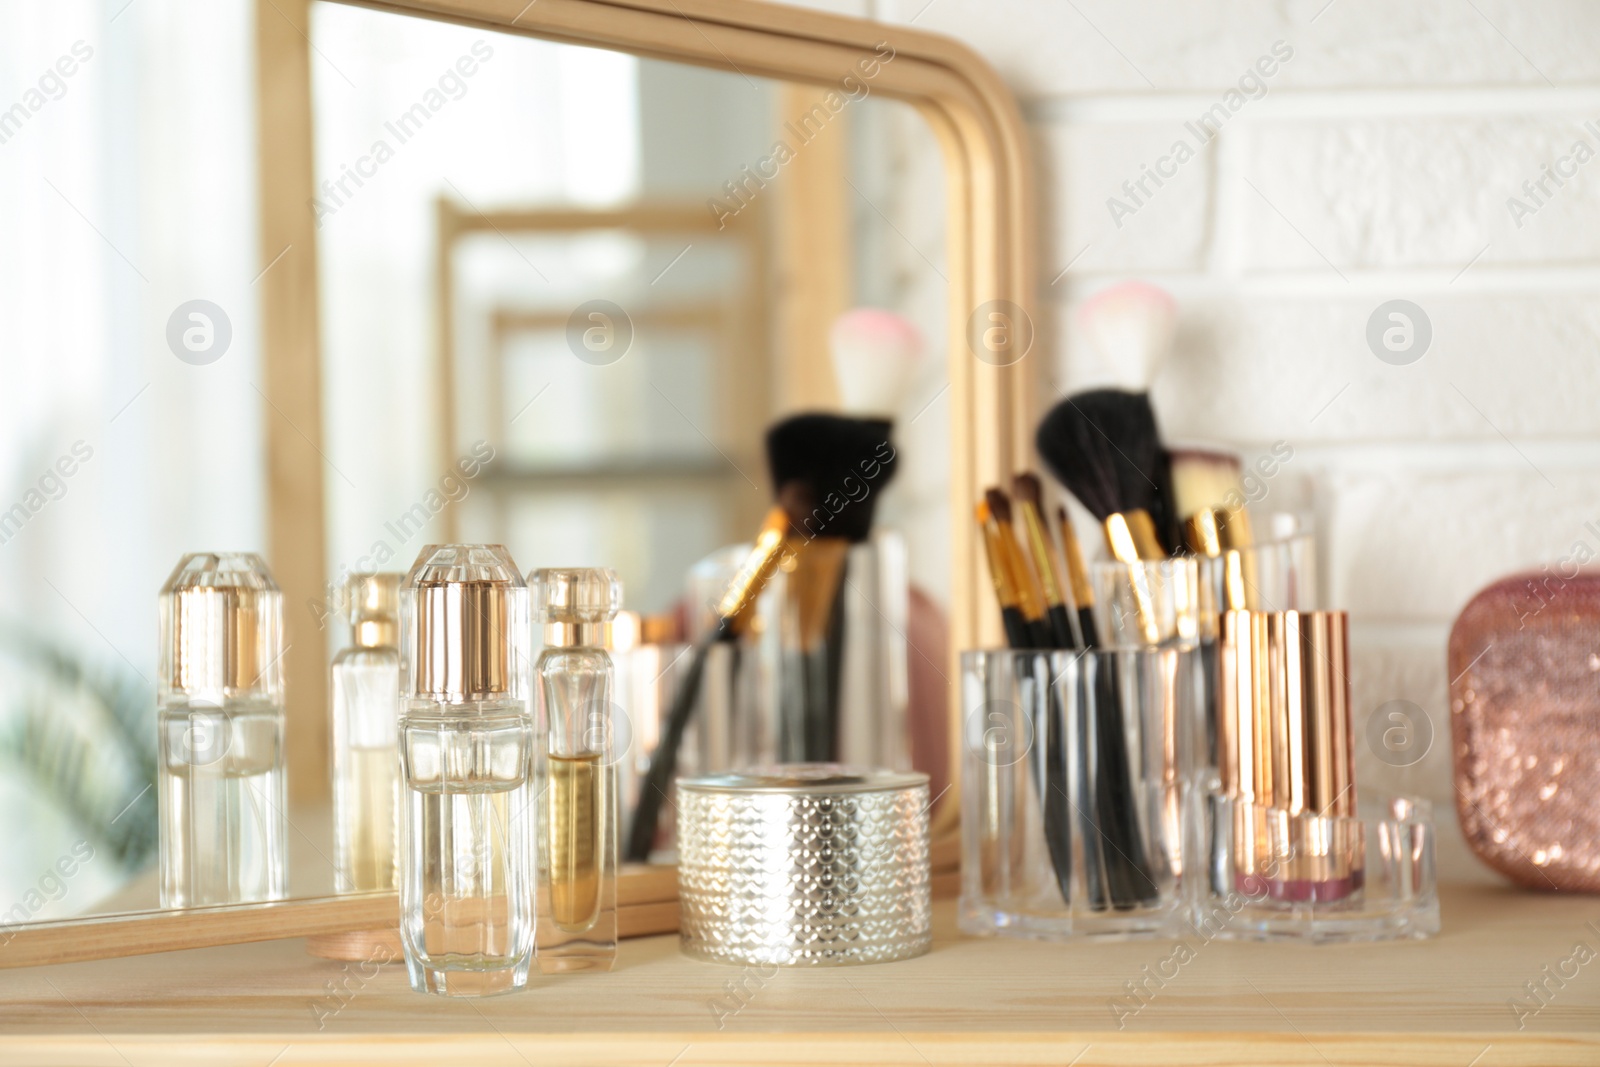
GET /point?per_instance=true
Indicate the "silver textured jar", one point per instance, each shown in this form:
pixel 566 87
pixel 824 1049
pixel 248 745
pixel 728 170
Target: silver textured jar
pixel 804 864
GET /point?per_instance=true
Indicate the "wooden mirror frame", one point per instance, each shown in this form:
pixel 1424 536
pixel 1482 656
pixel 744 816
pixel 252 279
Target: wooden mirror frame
pixel 989 193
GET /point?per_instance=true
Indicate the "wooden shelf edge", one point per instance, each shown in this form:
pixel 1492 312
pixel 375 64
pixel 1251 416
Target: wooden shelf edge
pixel 913 1048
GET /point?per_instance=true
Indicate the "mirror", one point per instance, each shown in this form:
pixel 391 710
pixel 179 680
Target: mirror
pixel 562 294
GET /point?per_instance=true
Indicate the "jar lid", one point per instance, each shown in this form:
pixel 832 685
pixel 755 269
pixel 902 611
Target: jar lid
pixel 808 779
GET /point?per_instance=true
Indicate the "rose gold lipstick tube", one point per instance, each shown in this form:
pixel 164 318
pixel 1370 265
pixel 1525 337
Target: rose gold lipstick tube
pixel 1286 757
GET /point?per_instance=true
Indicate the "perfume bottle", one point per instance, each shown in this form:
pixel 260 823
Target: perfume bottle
pixel 223 835
pixel 365 709
pixel 467 767
pixel 578 836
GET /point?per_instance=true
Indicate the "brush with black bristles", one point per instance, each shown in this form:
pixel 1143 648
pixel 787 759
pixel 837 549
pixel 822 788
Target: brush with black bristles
pixel 828 472
pixel 1105 448
pixel 1130 327
pixel 1118 493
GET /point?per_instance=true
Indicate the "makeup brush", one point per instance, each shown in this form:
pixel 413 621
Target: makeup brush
pixel 1078 578
pixel 1105 448
pixel 1046 561
pixel 1094 868
pixel 1130 327
pixel 734 611
pixel 1050 775
pixel 1203 478
pixel 1211 499
pixel 1018 633
pixel 1030 594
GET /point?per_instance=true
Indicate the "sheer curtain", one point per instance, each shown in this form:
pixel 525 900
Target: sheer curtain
pixel 127 167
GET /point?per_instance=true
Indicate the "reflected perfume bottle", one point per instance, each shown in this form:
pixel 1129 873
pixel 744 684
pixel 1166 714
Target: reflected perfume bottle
pixel 578 835
pixel 223 829
pixel 467 769
pixel 365 710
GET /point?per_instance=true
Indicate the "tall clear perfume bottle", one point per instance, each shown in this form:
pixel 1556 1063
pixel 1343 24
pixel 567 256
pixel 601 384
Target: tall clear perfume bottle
pixel 219 701
pixel 578 836
pixel 467 767
pixel 365 709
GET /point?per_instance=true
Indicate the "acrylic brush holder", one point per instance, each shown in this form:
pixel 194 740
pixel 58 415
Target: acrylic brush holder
pixel 1073 791
pixel 1273 874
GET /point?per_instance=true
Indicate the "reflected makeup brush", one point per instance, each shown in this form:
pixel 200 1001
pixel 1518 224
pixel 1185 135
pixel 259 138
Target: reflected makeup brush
pixel 828 470
pixel 1046 561
pixel 734 611
pixel 828 473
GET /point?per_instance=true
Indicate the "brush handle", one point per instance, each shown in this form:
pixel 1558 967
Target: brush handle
pixel 817 713
pixel 1018 633
pixel 1060 627
pixel 1094 873
pixel 664 760
pixel 1039 634
pixel 1091 638
pixel 1056 804
pixel 1116 811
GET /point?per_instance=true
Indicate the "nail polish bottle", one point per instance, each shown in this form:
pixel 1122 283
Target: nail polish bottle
pixel 578 724
pixel 467 751
pixel 365 713
pixel 223 829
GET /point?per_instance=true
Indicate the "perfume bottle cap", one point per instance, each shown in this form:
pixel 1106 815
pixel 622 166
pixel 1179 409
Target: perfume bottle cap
pixel 221 629
pixel 373 603
pixel 465 624
pixel 575 604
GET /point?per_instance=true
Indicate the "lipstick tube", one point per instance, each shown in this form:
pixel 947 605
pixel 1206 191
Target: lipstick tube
pixel 1286 758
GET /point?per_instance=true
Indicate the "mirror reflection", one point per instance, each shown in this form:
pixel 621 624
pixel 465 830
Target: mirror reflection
pixel 562 295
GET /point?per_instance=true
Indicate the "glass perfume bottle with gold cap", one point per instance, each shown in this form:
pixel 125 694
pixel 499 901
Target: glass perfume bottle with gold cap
pixel 467 768
pixel 578 835
pixel 365 710
pixel 223 835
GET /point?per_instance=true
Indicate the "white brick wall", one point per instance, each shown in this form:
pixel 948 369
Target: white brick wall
pixel 1376 165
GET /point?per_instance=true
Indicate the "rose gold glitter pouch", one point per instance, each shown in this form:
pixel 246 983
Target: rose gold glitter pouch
pixel 1525 715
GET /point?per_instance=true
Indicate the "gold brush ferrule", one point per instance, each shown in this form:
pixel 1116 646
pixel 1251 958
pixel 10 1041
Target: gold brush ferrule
pixel 1233 528
pixel 758 567
pixel 1145 539
pixel 999 573
pixel 1204 533
pixel 1077 570
pixel 1119 539
pixel 1219 533
pixel 1022 577
pixel 1043 557
pixel 1130 538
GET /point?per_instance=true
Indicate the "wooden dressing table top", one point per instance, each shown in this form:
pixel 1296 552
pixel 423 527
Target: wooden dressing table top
pixel 1444 1002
